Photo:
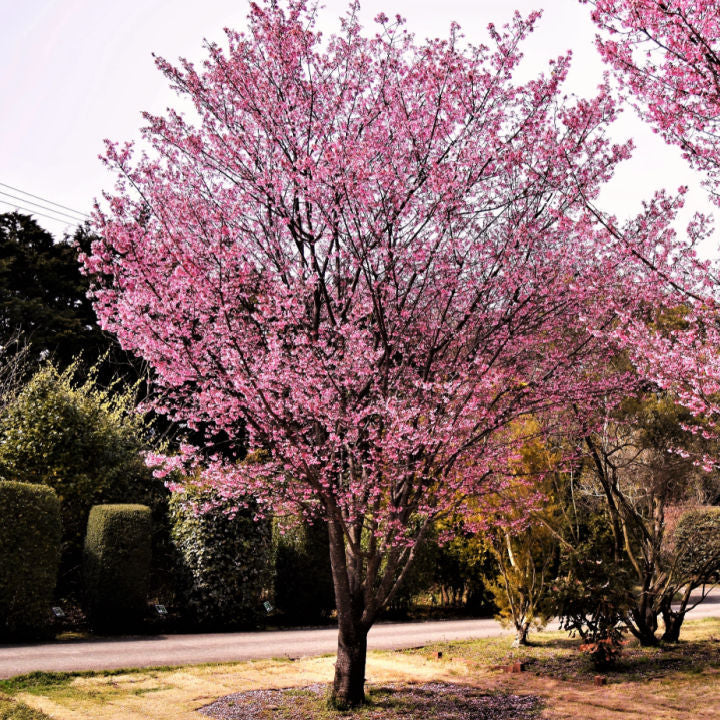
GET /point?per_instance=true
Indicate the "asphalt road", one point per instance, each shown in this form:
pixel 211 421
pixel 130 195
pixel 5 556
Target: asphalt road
pixel 104 654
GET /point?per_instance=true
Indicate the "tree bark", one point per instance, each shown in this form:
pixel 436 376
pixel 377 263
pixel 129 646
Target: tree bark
pixel 349 683
pixel 673 622
pixel 521 634
pixel 644 625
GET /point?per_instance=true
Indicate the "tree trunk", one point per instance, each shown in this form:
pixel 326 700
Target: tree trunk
pixel 673 622
pixel 644 626
pixel 521 634
pixel 354 622
pixel 349 683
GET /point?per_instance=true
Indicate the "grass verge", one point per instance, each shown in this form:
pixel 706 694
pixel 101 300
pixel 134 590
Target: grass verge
pixel 680 682
pixel 554 654
pixel 11 709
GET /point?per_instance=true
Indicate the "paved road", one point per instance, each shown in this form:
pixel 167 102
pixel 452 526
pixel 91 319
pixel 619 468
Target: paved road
pixel 102 654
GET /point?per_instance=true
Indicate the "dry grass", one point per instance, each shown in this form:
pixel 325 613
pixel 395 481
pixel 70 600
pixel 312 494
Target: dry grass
pixel 676 684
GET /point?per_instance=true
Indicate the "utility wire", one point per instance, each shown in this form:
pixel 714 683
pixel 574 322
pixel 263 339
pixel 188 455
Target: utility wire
pixel 42 207
pixel 35 212
pixel 45 200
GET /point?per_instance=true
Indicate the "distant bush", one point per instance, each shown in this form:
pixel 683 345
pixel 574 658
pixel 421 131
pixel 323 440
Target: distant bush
pixel 29 556
pixel 226 561
pixel 84 441
pixel 303 580
pixel 117 566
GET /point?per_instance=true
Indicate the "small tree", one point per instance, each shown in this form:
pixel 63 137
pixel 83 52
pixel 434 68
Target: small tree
pixel 694 563
pixel 523 587
pixel 527 556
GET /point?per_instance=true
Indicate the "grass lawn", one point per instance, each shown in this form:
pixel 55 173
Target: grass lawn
pixel 676 683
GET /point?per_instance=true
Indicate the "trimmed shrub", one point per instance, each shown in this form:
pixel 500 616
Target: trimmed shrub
pixel 304 591
pixel 29 556
pixel 226 561
pixel 86 442
pixel 117 566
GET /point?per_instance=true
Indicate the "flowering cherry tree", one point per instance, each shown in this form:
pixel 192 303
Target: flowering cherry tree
pixel 666 53
pixel 375 255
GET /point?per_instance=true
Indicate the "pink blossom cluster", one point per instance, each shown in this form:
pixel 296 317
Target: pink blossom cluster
pixel 666 55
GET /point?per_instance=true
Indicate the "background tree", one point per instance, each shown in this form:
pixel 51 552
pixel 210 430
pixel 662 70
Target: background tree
pixel 667 54
pixel 641 466
pixel 45 312
pixel 43 295
pixel 375 254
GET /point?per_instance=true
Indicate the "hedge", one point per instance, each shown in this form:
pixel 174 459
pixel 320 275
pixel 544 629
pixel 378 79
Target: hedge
pixel 86 442
pixel 303 579
pixel 225 557
pixel 117 566
pixel 29 556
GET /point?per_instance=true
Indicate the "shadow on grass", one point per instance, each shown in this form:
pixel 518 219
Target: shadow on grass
pixel 556 655
pixel 563 659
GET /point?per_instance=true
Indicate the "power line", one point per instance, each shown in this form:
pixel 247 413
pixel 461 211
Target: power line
pixel 35 212
pixel 42 207
pixel 45 200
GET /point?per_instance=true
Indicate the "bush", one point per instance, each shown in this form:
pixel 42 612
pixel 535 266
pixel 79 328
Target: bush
pixel 226 561
pixel 697 539
pixel 86 443
pixel 304 591
pixel 29 557
pixel 117 566
pixel 594 593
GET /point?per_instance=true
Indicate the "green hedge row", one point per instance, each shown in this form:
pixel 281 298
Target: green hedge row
pixel 117 566
pixel 29 556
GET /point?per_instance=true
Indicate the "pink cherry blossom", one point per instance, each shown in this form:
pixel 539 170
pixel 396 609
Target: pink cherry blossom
pixel 376 255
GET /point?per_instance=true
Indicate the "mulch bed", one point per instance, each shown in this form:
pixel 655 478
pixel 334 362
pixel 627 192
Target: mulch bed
pixel 430 701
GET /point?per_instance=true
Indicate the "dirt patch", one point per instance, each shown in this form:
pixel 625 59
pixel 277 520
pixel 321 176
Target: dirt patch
pixel 431 701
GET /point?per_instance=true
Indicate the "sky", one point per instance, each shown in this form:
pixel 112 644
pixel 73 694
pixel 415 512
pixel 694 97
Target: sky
pixel 73 72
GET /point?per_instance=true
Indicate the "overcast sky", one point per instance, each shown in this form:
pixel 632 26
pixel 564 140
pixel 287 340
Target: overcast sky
pixel 73 72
